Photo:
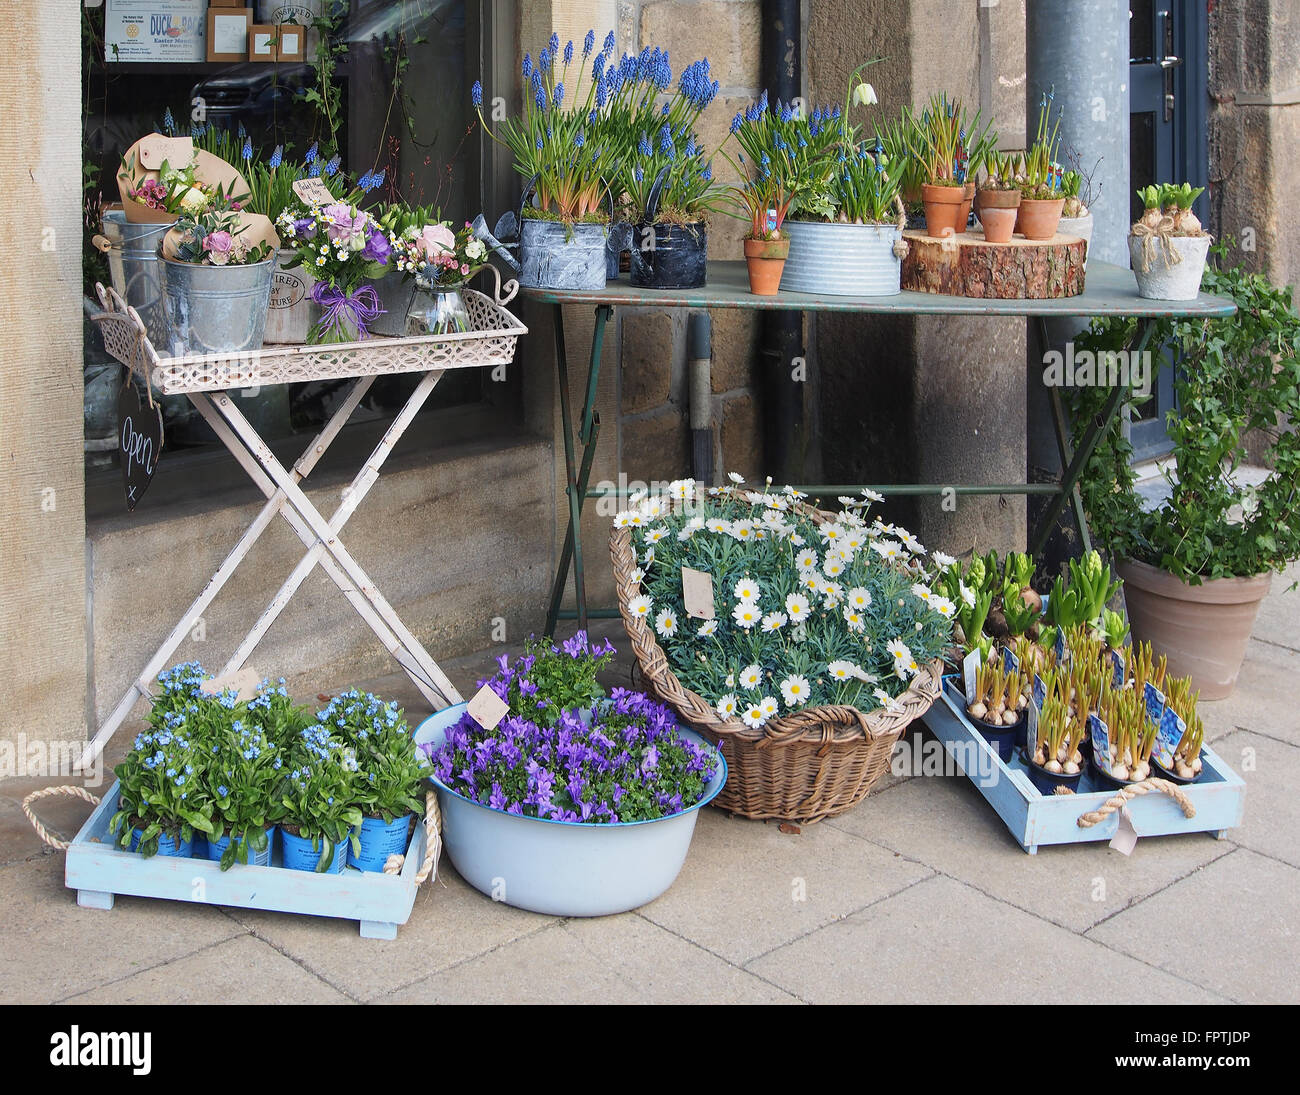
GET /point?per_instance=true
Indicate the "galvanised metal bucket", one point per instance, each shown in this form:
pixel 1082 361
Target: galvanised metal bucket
pixel 668 256
pixel 291 311
pixel 395 297
pixel 133 269
pixel 554 255
pixel 215 309
pixel 842 260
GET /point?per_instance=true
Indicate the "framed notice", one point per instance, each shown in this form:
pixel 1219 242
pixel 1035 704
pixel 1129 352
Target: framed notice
pixel 155 30
pixel 228 33
pixel 261 42
pixel 290 41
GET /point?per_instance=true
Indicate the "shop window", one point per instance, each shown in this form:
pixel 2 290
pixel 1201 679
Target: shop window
pixel 381 85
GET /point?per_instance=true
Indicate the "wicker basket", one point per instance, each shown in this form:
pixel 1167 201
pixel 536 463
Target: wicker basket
pixel 805 766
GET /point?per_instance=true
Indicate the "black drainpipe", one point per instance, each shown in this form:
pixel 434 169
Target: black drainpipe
pixel 781 340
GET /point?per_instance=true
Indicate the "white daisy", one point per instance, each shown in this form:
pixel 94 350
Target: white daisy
pixel 622 519
pixel 871 495
pixel 746 614
pixel 911 542
pixel 796 539
pixel 708 628
pixel 747 590
pixel 666 623
pixel 832 592
pixel 941 559
pixel 943 606
pixel 806 560
pixel 859 597
pixel 768 707
pixel 638 575
pixel 795 690
pixel 681 489
pixel 726 706
pixel 833 567
pixel 753 716
pixel 654 535
pixel 797 606
pixel 640 605
pixel 889 550
pixel 735 478
pixel 751 677
pixel 886 700
pixel 840 670
pixel 718 524
pixel 743 530
pixel 649 556
pixel 831 531
pixel 922 592
pixel 774 621
pixel 731 680
pixel 854 619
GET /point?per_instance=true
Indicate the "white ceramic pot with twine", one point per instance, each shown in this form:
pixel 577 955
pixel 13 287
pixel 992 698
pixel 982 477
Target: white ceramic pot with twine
pixel 1167 267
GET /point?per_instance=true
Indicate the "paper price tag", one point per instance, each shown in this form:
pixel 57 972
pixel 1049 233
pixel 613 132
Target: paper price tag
pixel 1126 837
pixel 487 708
pixel 313 191
pixel 176 151
pixel 697 593
pixel 1100 735
pixel 244 681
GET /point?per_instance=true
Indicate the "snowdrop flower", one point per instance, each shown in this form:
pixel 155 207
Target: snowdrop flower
pixel 797 606
pixel 726 707
pixel 746 614
pixel 747 590
pixel 666 623
pixel 865 94
pixel 795 690
pixel 774 621
pixel 640 605
pixel 751 677
pixel 859 597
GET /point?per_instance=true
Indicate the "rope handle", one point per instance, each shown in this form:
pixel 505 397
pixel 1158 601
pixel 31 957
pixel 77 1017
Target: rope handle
pixel 41 831
pixel 1122 797
pixel 432 842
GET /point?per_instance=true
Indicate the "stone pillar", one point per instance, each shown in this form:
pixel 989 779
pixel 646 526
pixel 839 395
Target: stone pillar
pixel 42 536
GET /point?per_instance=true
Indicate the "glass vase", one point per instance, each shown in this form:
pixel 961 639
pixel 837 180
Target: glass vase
pixel 438 311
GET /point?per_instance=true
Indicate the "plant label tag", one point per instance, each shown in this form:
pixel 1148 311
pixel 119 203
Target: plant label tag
pixel 1031 727
pixel 1059 649
pixel 1121 675
pixel 487 708
pixel 1154 701
pixel 697 594
pixel 1126 837
pixel 315 192
pixel 1100 742
pixel 969 667
pixel 139 442
pixel 1170 733
pixel 157 149
pixel 1010 663
pixel 245 683
pixel 1040 689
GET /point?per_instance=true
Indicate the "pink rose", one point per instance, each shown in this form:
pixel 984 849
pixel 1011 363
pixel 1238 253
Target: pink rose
pixel 345 222
pixel 218 246
pixel 437 243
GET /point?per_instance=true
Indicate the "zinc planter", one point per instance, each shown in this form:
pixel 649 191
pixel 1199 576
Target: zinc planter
pixel 668 256
pixel 554 255
pixel 215 309
pixel 133 267
pixel 562 868
pixel 290 312
pixel 1160 279
pixel 1081 227
pixel 1202 630
pixel 854 260
pixel 395 297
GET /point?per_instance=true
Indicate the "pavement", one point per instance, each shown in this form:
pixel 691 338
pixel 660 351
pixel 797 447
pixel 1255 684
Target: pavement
pixel 920 894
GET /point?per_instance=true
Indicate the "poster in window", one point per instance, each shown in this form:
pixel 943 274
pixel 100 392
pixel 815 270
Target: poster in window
pixel 155 30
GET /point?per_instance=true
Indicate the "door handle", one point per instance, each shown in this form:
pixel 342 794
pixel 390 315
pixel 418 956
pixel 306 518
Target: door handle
pixel 1169 62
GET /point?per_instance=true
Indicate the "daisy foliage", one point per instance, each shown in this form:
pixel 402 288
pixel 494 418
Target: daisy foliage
pixel 808 611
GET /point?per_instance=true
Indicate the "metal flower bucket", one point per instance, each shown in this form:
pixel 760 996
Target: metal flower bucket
pixel 291 311
pixel 669 256
pixel 133 268
pixel 396 298
pixel 215 309
pixel 853 260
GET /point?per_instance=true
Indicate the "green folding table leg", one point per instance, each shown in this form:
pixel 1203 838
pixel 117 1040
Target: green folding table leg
pixel 576 477
pixel 1087 444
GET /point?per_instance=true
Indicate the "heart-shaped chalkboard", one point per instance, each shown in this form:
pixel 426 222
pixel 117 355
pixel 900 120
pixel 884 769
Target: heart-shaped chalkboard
pixel 139 442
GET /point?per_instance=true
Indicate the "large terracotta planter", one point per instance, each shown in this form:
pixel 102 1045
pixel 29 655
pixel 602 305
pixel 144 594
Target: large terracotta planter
pixel 1202 630
pixel 943 206
pixel 766 262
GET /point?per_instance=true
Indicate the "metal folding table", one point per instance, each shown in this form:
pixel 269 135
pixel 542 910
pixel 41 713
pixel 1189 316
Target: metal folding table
pixel 207 378
pixel 1111 291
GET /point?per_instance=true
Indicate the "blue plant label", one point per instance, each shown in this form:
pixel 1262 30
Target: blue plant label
pixel 1172 728
pixel 1031 725
pixel 969 667
pixel 1040 690
pixel 1154 700
pixel 1059 649
pixel 1100 742
pixel 1117 659
pixel 1010 663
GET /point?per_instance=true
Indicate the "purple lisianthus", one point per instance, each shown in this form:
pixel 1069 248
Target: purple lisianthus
pixel 377 248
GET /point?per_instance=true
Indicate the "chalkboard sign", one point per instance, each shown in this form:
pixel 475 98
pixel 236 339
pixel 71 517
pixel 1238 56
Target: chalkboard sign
pixel 139 442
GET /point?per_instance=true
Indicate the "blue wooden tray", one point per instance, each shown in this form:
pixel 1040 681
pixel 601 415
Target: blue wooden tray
pixel 1033 818
pixel 99 870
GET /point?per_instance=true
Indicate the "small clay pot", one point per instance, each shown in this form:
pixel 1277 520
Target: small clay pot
pixel 963 216
pixel 943 205
pixel 999 222
pixel 766 262
pixel 1039 217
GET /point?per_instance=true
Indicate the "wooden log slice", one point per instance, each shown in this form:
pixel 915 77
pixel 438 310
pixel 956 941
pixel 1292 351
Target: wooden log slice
pixel 967 265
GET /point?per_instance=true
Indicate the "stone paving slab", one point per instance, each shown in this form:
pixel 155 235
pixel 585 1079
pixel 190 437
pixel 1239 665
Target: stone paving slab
pixel 1279 615
pixel 616 959
pixel 242 970
pixel 943 942
pixel 1263 700
pixel 1272 817
pixel 1238 917
pixel 450 923
pixel 53 948
pixel 748 887
pixel 944 823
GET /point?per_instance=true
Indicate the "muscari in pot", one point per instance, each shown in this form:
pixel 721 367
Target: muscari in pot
pixel 215 309
pixel 562 868
pixel 552 254
pixel 297 853
pixel 832 259
pixel 380 839
pixel 215 849
pixel 664 255
pixel 1047 782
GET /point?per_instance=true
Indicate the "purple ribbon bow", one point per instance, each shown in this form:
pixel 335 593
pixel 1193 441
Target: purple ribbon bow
pixel 362 307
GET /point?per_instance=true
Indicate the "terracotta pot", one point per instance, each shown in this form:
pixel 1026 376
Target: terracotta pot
pixel 999 224
pixel 1039 217
pixel 1202 630
pixel 766 262
pixel 963 215
pixel 943 210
